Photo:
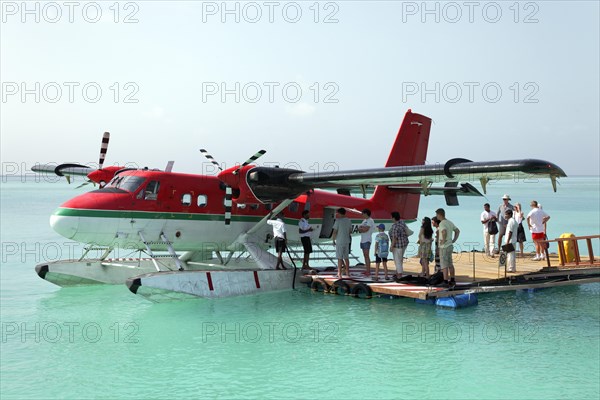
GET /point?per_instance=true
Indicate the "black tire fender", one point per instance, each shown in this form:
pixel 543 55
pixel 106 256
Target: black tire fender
pixel 318 285
pixel 340 287
pixel 362 288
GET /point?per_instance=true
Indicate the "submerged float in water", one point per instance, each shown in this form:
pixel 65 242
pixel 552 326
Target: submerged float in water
pixel 476 275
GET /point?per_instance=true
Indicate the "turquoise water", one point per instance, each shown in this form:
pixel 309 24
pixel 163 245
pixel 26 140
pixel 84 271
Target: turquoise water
pixel 104 342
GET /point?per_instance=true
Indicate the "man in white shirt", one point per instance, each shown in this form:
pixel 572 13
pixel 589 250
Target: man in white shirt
pixel 280 238
pixel 536 219
pixel 500 215
pixel 342 233
pixel 366 235
pixel 511 237
pixel 305 230
pixel 448 236
pixel 488 216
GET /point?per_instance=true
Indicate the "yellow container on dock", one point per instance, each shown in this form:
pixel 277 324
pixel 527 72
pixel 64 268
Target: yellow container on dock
pixel 569 247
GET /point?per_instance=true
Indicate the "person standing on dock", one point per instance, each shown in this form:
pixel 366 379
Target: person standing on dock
pixel 305 230
pixel 399 234
pixel 511 237
pixel 382 248
pixel 366 236
pixel 487 217
pixel 536 219
pixel 501 220
pixel 425 240
pixel 342 230
pixel 521 238
pixel 435 222
pixel 448 236
pixel 280 238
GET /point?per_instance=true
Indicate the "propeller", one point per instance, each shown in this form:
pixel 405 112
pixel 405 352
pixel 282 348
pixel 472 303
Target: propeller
pixel 103 150
pixel 255 157
pixel 228 189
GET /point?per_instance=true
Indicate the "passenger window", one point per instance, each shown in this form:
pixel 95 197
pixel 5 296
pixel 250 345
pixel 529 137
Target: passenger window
pixel 186 199
pixel 293 207
pixel 202 200
pixel 151 191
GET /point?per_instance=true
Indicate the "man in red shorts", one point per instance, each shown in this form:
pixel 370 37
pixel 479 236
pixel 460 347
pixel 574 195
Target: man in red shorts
pixel 536 219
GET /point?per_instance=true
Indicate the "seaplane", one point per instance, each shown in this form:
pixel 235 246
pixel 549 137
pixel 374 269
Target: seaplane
pixel 212 230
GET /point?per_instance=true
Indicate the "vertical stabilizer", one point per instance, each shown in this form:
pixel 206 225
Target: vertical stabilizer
pixel 410 148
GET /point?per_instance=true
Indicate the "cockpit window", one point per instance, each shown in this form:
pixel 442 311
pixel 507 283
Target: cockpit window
pixel 151 191
pixel 127 183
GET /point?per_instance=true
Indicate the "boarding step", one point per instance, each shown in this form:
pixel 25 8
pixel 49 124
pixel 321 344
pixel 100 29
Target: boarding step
pixel 321 252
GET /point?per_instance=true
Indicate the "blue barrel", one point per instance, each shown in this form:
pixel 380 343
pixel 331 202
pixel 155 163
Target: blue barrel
pixel 458 301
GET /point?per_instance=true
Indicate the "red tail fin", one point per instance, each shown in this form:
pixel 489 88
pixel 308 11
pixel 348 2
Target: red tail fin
pixel 410 148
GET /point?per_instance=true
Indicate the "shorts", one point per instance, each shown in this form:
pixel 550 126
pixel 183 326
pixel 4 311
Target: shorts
pixel 446 257
pixel 365 245
pixel 380 259
pixel 279 245
pixel 538 236
pixel 307 244
pixel 501 229
pixel 342 251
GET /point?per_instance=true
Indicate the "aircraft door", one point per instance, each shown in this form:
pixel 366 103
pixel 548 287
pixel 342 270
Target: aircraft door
pixel 328 221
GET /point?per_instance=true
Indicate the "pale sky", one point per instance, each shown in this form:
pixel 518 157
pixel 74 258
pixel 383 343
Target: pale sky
pixel 368 64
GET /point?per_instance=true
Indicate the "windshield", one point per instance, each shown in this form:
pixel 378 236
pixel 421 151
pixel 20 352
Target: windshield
pixel 127 183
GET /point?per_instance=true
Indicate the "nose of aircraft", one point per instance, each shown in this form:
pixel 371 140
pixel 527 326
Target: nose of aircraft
pixel 64 225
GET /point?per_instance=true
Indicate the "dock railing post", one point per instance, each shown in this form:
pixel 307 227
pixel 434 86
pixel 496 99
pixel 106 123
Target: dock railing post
pixel 561 252
pixel 473 266
pixel 577 256
pixel 590 250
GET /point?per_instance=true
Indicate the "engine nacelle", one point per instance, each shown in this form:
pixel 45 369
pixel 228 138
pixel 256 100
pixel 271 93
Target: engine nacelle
pixel 261 184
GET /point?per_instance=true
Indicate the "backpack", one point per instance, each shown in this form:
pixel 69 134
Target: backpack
pixel 492 227
pixel 436 278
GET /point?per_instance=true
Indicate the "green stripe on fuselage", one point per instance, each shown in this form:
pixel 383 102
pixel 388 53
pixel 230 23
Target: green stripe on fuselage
pixel 94 213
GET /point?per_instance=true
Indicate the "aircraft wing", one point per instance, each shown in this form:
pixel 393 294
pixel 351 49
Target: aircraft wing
pixel 275 184
pixel 455 170
pixel 66 170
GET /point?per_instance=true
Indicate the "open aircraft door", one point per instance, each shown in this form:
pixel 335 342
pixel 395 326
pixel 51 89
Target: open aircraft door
pixel 328 221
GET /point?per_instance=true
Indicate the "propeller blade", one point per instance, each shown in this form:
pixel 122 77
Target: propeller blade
pixel 255 157
pixel 210 158
pixel 228 203
pixel 83 184
pixel 103 149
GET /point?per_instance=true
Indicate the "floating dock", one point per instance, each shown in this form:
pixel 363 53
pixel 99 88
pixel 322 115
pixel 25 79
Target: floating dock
pixel 475 273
